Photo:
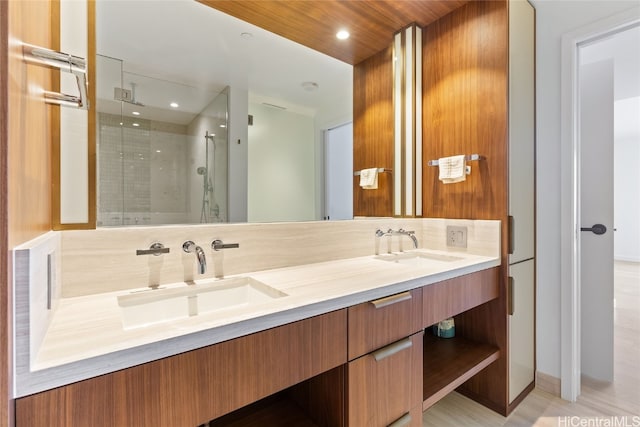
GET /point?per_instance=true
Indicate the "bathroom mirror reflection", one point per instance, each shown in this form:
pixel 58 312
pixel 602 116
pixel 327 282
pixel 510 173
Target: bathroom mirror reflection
pixel 176 84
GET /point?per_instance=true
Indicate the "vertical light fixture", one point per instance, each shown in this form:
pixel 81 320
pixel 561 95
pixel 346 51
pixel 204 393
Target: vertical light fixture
pixel 408 121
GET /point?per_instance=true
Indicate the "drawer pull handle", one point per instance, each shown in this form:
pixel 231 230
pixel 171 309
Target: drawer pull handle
pixel 404 420
pixel 383 302
pixel 392 349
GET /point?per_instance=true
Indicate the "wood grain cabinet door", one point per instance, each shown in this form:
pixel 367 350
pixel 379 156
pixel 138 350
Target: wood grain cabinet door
pixel 191 388
pixel 374 324
pixel 454 296
pixel 386 385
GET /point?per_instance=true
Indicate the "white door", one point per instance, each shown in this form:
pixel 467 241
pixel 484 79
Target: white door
pixel 339 173
pixel 596 102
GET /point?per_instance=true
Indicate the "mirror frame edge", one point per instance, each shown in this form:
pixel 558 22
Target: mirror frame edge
pixel 56 223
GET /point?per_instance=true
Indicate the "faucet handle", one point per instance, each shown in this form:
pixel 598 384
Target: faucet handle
pixel 155 249
pixel 189 246
pixel 217 245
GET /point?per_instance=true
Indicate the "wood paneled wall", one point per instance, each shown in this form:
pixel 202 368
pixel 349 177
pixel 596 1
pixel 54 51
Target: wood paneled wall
pixel 25 154
pixel 29 143
pixel 373 132
pixel 465 111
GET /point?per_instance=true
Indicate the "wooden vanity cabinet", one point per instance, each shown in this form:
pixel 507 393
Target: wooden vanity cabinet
pixel 376 323
pixel 371 364
pixel 451 297
pixel 192 388
pixel 449 362
pixel 384 381
pixel 385 386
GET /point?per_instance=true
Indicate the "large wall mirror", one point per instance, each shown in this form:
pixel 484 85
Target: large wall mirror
pixel 204 118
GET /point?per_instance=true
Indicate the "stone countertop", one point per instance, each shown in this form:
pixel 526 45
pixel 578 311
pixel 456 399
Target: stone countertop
pixel 86 337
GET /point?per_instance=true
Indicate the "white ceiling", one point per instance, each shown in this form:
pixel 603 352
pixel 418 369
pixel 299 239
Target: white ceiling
pixel 186 43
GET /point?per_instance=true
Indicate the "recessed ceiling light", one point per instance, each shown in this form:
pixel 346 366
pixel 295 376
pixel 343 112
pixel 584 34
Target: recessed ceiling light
pixel 342 34
pixel 174 105
pixel 223 126
pixel 136 113
pixel 158 151
pixel 246 35
pixel 310 86
pixel 136 124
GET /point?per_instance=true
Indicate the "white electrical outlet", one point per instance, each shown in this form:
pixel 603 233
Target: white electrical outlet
pixel 456 236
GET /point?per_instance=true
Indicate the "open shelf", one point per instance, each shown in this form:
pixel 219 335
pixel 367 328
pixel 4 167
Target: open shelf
pixel 273 411
pixel 449 362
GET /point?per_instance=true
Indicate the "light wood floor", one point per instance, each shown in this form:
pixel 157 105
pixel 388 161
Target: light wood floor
pixel 618 399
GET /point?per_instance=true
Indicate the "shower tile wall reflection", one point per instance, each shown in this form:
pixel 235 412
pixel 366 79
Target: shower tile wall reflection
pixel 142 172
pixel 159 163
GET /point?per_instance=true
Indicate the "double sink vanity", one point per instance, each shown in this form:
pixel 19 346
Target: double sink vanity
pixel 335 340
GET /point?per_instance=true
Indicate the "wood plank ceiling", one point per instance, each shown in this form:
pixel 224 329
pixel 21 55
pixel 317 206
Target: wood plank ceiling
pixel 371 23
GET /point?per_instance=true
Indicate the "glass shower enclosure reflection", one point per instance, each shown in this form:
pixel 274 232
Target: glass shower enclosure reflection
pixel 162 149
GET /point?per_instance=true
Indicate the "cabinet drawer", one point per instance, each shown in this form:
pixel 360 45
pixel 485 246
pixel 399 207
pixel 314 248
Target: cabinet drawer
pixel 385 385
pixel 377 323
pixel 450 297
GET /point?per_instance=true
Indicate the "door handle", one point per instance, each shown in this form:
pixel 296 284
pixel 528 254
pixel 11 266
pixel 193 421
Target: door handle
pixel 510 289
pixel 512 228
pixel 596 229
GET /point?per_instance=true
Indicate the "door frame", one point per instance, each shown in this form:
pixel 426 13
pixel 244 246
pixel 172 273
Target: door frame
pixel 570 194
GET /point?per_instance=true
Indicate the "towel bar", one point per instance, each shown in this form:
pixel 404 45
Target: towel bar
pixel 63 62
pixel 467 158
pixel 380 170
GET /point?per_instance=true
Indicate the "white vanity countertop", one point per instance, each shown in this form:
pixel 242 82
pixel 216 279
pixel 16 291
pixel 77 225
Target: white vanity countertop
pixel 86 337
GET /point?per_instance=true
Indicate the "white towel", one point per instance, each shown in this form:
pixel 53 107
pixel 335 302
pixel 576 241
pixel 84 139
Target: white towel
pixel 452 169
pixel 369 178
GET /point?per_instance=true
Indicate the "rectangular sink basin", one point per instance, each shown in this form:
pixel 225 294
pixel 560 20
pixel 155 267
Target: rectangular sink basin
pixel 143 308
pixel 418 258
pixel 234 293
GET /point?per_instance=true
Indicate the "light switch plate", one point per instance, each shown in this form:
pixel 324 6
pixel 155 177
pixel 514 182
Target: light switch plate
pixel 456 236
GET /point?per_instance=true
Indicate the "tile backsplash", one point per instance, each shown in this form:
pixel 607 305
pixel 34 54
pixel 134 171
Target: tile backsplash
pixel 105 260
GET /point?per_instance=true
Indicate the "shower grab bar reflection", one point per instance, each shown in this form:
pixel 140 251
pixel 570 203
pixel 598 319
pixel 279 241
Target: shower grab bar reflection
pixel 380 170
pixel 63 62
pixel 468 158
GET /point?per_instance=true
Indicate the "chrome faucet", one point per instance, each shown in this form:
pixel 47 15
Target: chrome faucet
pixel 190 247
pixel 411 235
pixel 390 232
